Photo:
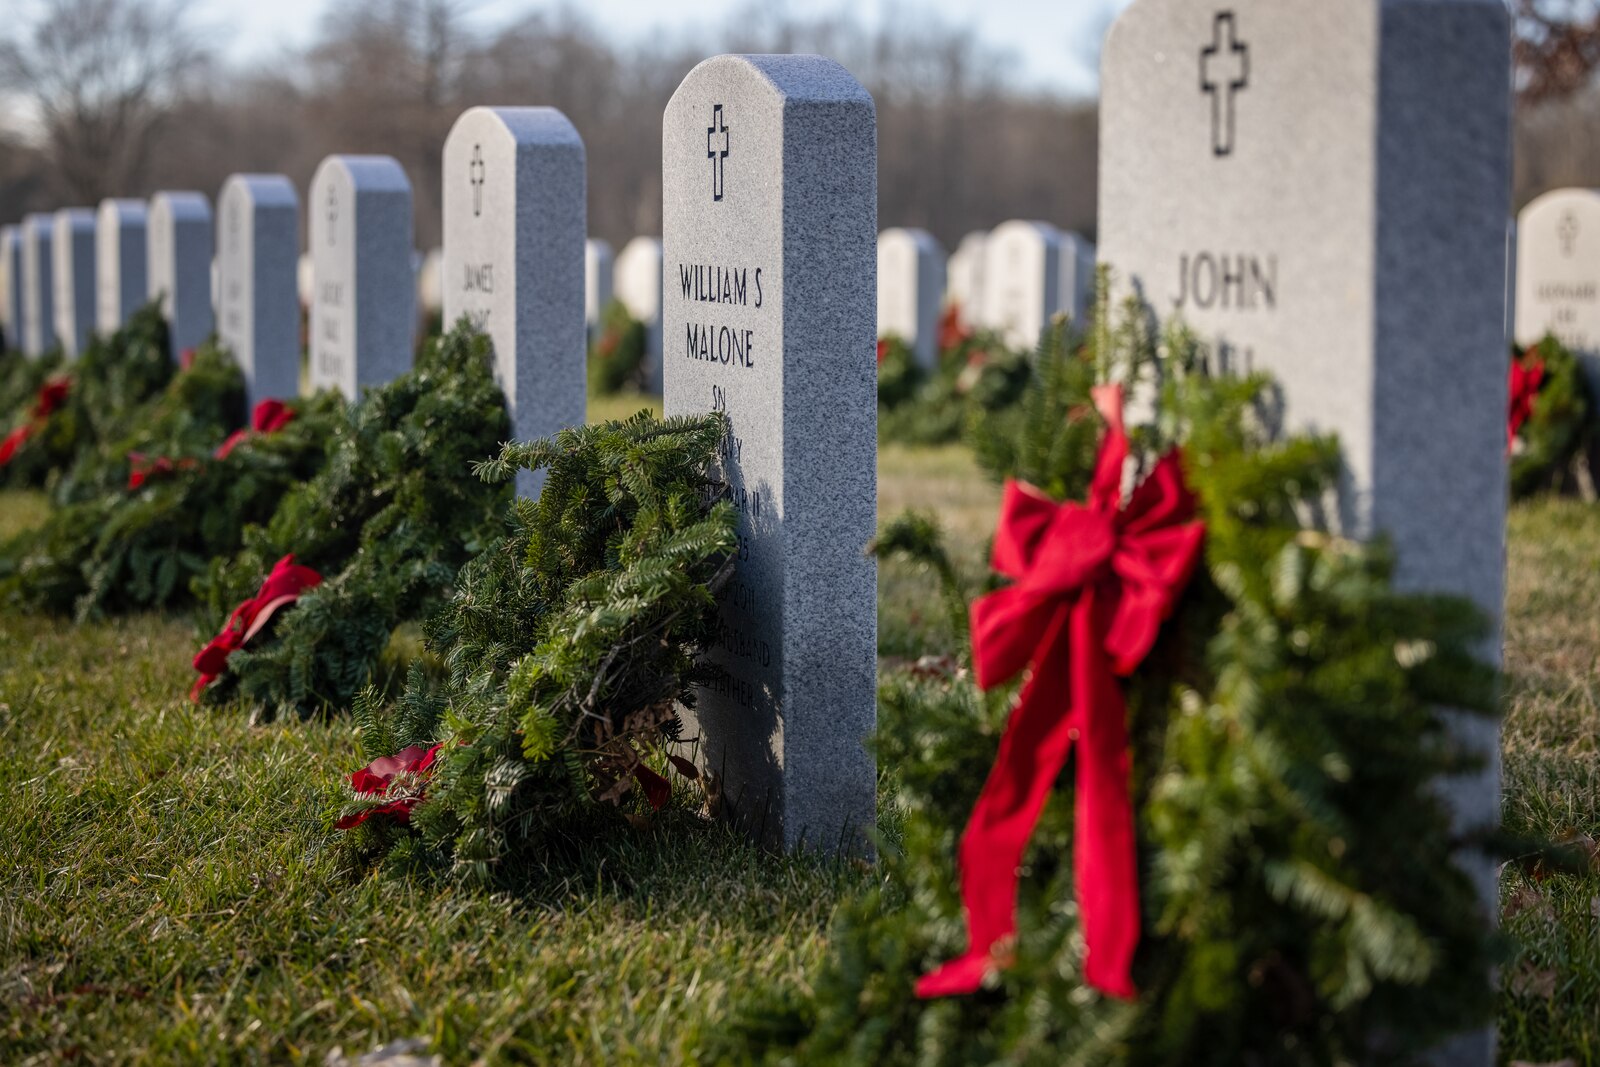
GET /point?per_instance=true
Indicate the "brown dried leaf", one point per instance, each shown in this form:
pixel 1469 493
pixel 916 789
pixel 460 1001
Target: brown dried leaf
pixel 1531 981
pixel 684 767
pixel 1528 899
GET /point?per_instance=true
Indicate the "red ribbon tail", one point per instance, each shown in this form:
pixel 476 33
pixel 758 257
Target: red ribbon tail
pixel 1033 750
pixel 1105 861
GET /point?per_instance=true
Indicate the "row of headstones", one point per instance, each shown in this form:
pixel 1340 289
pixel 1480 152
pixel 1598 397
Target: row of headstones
pixel 1363 266
pixel 66 275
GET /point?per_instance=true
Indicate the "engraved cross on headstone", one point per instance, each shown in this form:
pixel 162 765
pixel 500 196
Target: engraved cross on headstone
pixel 715 154
pixel 475 172
pixel 333 214
pixel 1568 232
pixel 1229 57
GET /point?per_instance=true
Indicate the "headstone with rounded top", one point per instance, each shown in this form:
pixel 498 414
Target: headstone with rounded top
pixel 363 311
pixel 1362 264
pixel 770 242
pixel 11 302
pixel 121 263
pixel 911 290
pixel 258 251
pixel 181 243
pixel 74 279
pixel 38 284
pixel 1557 272
pixel 515 220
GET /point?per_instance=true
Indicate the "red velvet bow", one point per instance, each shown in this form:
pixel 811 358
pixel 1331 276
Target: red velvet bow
pixel 379 779
pixel 1527 375
pixel 283 587
pixel 1094 582
pixel 270 416
pixel 51 396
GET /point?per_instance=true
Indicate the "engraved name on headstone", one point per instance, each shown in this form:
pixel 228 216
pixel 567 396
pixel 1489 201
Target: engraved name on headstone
pixel 363 309
pixel 770 234
pixel 515 220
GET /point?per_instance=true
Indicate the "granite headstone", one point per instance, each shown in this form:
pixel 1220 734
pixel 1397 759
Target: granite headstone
pixel 363 315
pixel 911 290
pixel 1320 191
pixel 181 243
pixel 515 219
pixel 637 283
pixel 770 235
pixel 258 251
pixel 74 279
pixel 121 263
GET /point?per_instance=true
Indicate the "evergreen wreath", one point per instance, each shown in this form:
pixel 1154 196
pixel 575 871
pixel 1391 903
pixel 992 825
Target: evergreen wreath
pixel 387 521
pixel 137 543
pixel 616 360
pixel 110 385
pixel 21 379
pixel 975 373
pixel 1300 897
pixel 1549 419
pixel 571 642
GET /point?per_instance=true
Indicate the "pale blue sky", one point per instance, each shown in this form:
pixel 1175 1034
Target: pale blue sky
pixel 1054 40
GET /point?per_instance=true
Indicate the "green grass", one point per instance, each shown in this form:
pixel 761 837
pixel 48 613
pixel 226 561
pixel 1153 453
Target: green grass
pixel 1551 1009
pixel 171 889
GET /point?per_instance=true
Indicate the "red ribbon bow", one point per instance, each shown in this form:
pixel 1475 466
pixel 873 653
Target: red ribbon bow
pixel 270 416
pixel 1527 375
pixel 283 587
pixel 51 396
pixel 378 779
pixel 1094 582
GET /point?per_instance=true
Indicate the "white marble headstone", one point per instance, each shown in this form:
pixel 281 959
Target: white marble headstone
pixel 38 284
pixel 1320 191
pixel 637 283
pixel 911 290
pixel 964 276
pixel 1027 268
pixel 305 281
pixel 181 243
pixel 597 278
pixel 515 216
pixel 74 279
pixel 258 252
pixel 1558 274
pixel 770 240
pixel 122 265
pixel 363 317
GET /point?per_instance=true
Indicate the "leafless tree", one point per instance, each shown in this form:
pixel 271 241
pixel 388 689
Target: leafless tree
pixel 103 76
pixel 1557 48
